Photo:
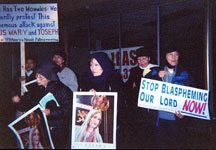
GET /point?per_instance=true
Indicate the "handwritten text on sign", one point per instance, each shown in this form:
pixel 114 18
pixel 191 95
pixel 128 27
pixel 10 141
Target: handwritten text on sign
pixel 171 97
pixel 29 23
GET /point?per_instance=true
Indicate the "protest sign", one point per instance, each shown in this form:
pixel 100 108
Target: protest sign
pixel 32 129
pixel 94 120
pixel 29 22
pixel 169 97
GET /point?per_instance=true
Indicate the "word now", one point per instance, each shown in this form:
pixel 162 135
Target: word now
pixel 194 106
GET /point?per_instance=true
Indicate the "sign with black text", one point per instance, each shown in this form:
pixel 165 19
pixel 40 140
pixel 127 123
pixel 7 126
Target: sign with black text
pixel 29 23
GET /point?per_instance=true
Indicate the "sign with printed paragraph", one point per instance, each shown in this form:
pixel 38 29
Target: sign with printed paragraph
pixel 169 97
pixel 94 120
pixel 29 23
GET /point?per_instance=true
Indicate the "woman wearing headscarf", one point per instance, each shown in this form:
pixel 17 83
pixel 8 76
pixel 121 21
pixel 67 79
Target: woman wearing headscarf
pixel 102 77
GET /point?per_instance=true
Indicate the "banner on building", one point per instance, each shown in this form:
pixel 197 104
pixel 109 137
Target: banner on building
pixel 94 120
pixel 29 23
pixel 128 59
pixel 32 129
pixel 169 97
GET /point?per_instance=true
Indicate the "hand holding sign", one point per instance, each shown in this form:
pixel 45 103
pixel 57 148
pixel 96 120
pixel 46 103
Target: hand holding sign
pixel 178 114
pixel 35 117
pixel 161 74
pixel 16 99
pixel 47 112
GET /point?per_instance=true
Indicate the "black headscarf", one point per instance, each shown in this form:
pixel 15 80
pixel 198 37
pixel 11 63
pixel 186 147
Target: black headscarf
pixel 105 64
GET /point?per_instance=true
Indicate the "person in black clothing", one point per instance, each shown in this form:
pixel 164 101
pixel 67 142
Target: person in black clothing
pixel 171 126
pixel 101 77
pixel 140 120
pixel 30 67
pixel 58 117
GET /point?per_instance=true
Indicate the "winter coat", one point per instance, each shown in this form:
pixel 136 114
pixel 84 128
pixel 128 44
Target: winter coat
pixel 58 115
pixel 132 87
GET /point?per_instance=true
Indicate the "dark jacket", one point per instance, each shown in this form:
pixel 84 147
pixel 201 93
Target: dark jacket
pixel 113 83
pixel 136 113
pixel 109 81
pixel 58 115
pixel 16 86
pixel 133 82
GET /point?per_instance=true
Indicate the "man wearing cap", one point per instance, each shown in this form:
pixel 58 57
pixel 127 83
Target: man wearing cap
pixel 143 118
pixel 170 131
pixel 58 117
pixel 65 74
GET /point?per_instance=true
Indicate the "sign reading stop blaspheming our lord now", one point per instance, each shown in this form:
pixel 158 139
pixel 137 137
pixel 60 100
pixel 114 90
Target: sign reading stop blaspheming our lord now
pixel 169 97
pixel 29 22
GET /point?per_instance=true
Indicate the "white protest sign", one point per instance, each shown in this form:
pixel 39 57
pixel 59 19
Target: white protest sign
pixel 128 59
pixel 169 97
pixel 29 23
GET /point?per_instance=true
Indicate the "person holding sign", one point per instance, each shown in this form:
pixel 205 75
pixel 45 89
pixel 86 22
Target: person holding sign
pixel 144 117
pixel 35 139
pixel 30 67
pixel 170 131
pixel 58 117
pixel 102 77
pixel 89 130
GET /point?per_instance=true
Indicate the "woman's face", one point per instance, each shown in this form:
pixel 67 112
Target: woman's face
pixel 41 80
pixel 172 58
pixel 95 120
pixel 35 137
pixel 95 67
pixel 143 61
